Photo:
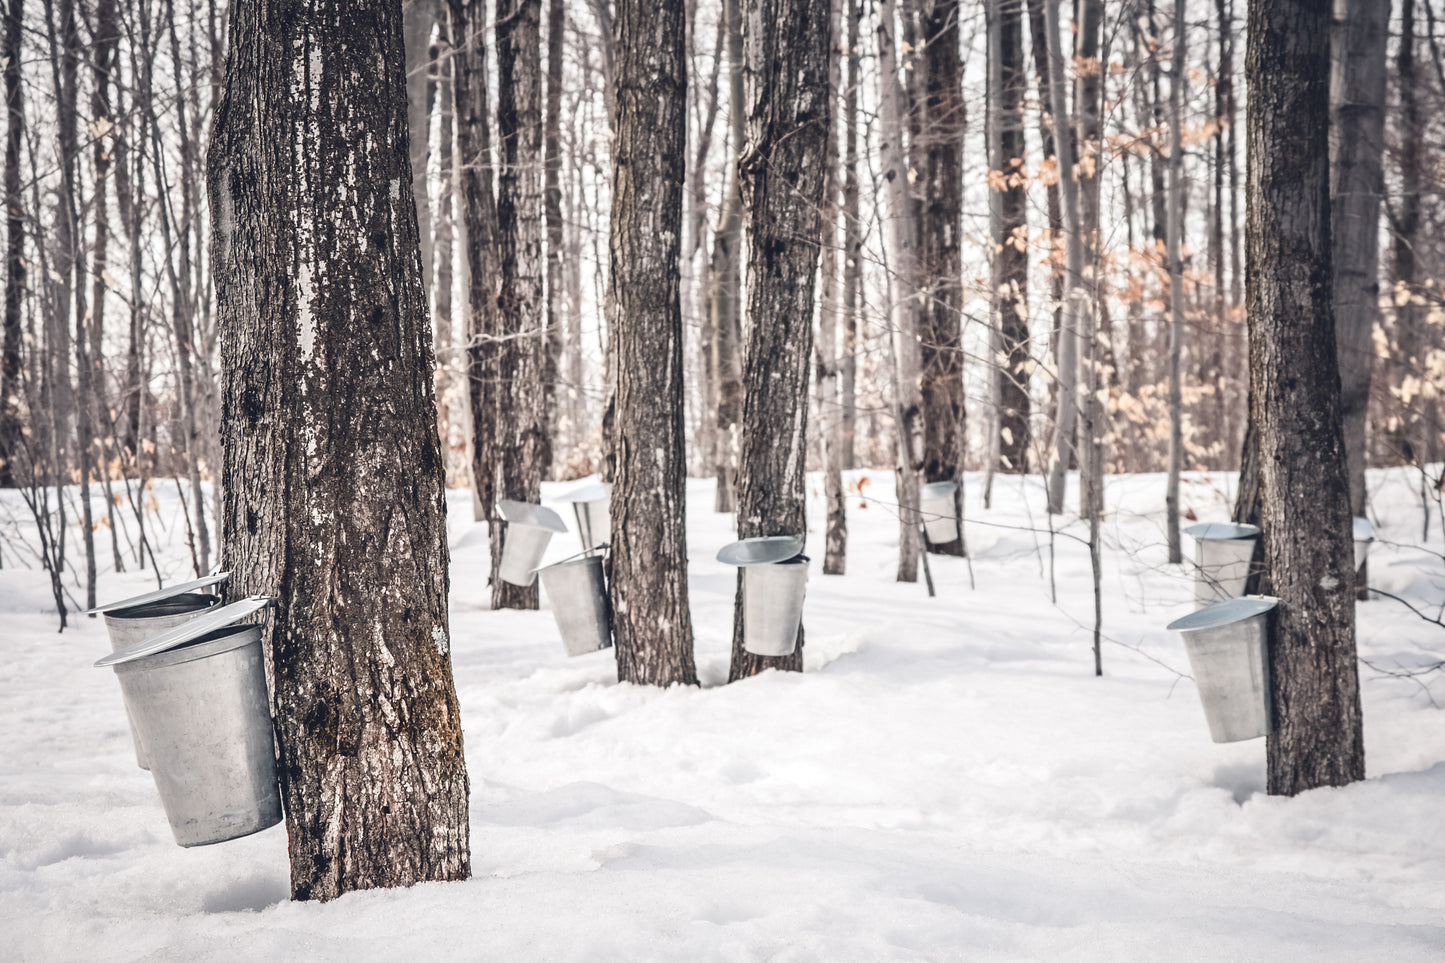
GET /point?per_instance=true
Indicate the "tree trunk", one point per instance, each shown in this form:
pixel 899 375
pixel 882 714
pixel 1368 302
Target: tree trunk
pixel 444 257
pixel 1075 296
pixel 1038 37
pixel 1357 134
pixel 1400 436
pixel 1176 287
pixel 940 316
pixel 852 240
pixel 332 470
pixel 905 308
pixel 782 174
pixel 726 273
pixel 649 512
pixel 1011 252
pixel 1088 108
pixel 10 360
pixel 552 203
pixel 518 403
pixel 483 279
pixel 830 414
pixel 1318 738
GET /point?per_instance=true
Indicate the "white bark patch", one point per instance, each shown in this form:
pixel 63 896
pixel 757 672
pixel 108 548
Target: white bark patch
pixel 439 639
pixel 305 321
pixel 1329 583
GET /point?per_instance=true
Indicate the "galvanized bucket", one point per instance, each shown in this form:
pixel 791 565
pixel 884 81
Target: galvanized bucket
pixel 1222 552
pixel 775 581
pixel 529 529
pixel 1228 648
pixel 940 514
pixel 1364 534
pixel 592 504
pixel 131 625
pixel 577 590
pixel 141 616
pixel 199 703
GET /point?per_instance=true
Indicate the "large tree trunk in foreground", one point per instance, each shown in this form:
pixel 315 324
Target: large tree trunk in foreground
pixel 782 175
pixel 1295 391
pixel 649 534
pixel 332 470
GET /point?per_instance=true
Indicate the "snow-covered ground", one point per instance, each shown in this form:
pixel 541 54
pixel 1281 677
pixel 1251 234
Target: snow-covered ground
pixel 947 780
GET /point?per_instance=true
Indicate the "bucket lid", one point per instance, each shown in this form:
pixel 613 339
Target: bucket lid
pixel 761 551
pixel 189 631
pixel 180 588
pixel 1364 531
pixel 939 489
pixel 1224 613
pixel 590 492
pixel 1222 530
pixel 534 516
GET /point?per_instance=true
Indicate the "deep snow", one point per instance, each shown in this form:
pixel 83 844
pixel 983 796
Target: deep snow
pixel 947 780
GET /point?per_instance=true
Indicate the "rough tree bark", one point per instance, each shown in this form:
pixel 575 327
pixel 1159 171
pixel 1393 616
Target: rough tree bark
pixel 1357 134
pixel 518 402
pixel 10 369
pixel 852 239
pixel 332 470
pixel 830 415
pixel 902 252
pixel 788 110
pixel 479 222
pixel 1295 393
pixel 1011 245
pixel 940 254
pixel 552 203
pixel 649 534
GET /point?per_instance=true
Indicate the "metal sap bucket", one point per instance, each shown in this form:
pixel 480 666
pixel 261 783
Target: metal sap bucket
pixel 131 620
pixel 1222 553
pixel 940 514
pixel 1364 534
pixel 592 504
pixel 198 699
pixel 775 581
pixel 1228 648
pixel 577 590
pixel 529 529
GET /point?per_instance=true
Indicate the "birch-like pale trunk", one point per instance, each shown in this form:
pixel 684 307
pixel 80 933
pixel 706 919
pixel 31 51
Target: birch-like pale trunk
pixel 903 314
pixel 1175 228
pixel 1076 296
